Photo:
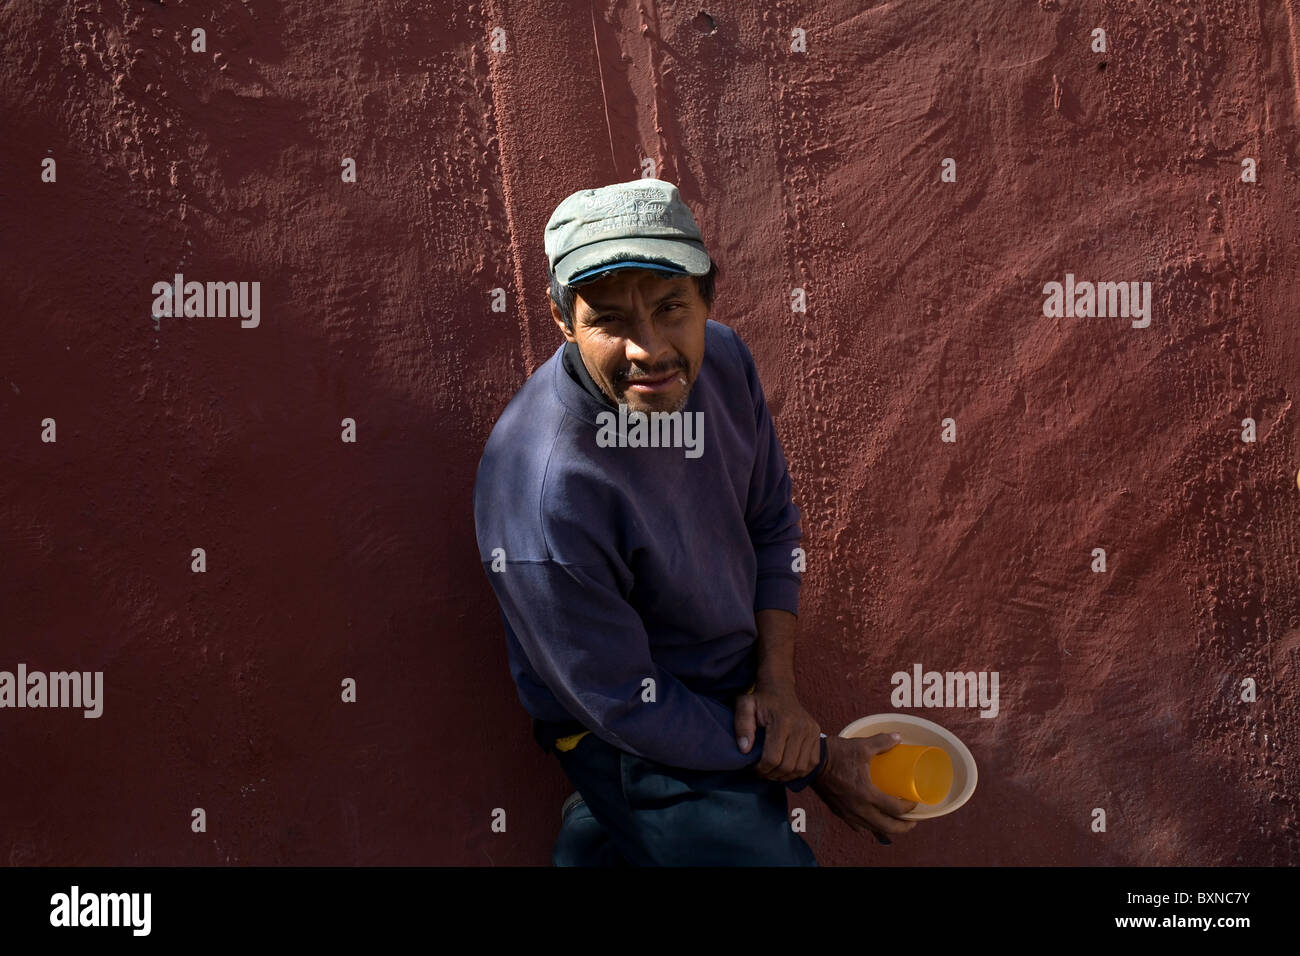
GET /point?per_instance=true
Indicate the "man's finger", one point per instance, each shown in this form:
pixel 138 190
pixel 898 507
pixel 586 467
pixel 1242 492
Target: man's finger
pixel 796 757
pixel 773 749
pixel 746 724
pixel 812 752
pixel 880 743
pixel 888 803
pixel 892 804
pixel 883 823
pixel 801 760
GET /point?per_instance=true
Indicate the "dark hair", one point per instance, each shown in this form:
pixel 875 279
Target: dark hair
pixel 566 296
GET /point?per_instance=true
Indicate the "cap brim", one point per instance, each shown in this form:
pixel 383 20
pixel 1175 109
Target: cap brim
pixel 599 271
pixel 594 260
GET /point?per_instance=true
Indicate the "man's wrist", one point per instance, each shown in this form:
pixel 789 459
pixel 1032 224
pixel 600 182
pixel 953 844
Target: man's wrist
pixel 827 774
pixel 775 630
pixel 775 679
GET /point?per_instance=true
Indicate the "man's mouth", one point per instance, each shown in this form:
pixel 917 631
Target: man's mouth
pixel 661 383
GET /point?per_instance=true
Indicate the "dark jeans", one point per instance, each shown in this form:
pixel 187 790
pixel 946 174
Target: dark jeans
pixel 636 812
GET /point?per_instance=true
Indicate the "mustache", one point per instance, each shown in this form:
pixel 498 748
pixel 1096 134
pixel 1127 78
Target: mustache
pixel 625 377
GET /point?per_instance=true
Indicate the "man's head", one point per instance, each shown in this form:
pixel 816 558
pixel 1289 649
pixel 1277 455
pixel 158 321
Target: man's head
pixel 640 332
pixel 632 286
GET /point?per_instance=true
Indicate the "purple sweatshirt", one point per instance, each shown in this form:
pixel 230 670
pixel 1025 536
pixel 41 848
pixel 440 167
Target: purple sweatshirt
pixel 622 564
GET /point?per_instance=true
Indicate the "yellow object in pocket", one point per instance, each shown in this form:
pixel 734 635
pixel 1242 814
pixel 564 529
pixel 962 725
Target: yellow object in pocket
pixel 568 743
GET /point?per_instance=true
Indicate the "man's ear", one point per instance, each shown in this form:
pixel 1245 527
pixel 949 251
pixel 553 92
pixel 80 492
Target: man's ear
pixel 559 319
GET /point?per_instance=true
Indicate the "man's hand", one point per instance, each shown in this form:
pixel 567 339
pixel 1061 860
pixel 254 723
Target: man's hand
pixel 793 740
pixel 845 786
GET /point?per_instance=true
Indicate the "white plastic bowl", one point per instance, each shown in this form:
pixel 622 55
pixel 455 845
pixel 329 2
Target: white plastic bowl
pixel 918 730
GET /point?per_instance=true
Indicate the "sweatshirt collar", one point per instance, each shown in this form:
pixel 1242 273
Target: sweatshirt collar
pixel 572 395
pixel 577 370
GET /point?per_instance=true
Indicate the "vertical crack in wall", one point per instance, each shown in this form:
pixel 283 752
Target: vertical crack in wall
pixel 506 154
pixel 604 96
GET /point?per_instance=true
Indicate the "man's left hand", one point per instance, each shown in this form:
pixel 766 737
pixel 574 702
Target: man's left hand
pixel 793 739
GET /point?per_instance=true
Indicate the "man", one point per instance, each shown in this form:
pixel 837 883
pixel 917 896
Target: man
pixel 646 585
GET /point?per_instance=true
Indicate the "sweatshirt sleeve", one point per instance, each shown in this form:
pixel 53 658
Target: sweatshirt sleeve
pixel 590 647
pixel 771 514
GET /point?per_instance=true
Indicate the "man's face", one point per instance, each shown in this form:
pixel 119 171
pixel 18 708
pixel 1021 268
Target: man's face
pixel 641 335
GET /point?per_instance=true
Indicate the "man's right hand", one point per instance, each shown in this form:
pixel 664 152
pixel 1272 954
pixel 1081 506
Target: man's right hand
pixel 844 784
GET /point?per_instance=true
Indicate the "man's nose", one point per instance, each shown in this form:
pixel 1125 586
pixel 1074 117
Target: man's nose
pixel 646 345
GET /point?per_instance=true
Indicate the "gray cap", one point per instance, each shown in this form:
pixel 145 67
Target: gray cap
pixel 639 224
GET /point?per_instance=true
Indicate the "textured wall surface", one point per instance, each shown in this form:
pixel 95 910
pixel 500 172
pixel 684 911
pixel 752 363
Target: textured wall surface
pixel 818 169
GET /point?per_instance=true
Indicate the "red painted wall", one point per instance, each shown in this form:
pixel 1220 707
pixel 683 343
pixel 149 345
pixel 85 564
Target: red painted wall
pixel 816 169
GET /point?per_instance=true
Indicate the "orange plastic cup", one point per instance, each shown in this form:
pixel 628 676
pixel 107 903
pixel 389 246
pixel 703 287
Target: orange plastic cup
pixel 913 772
